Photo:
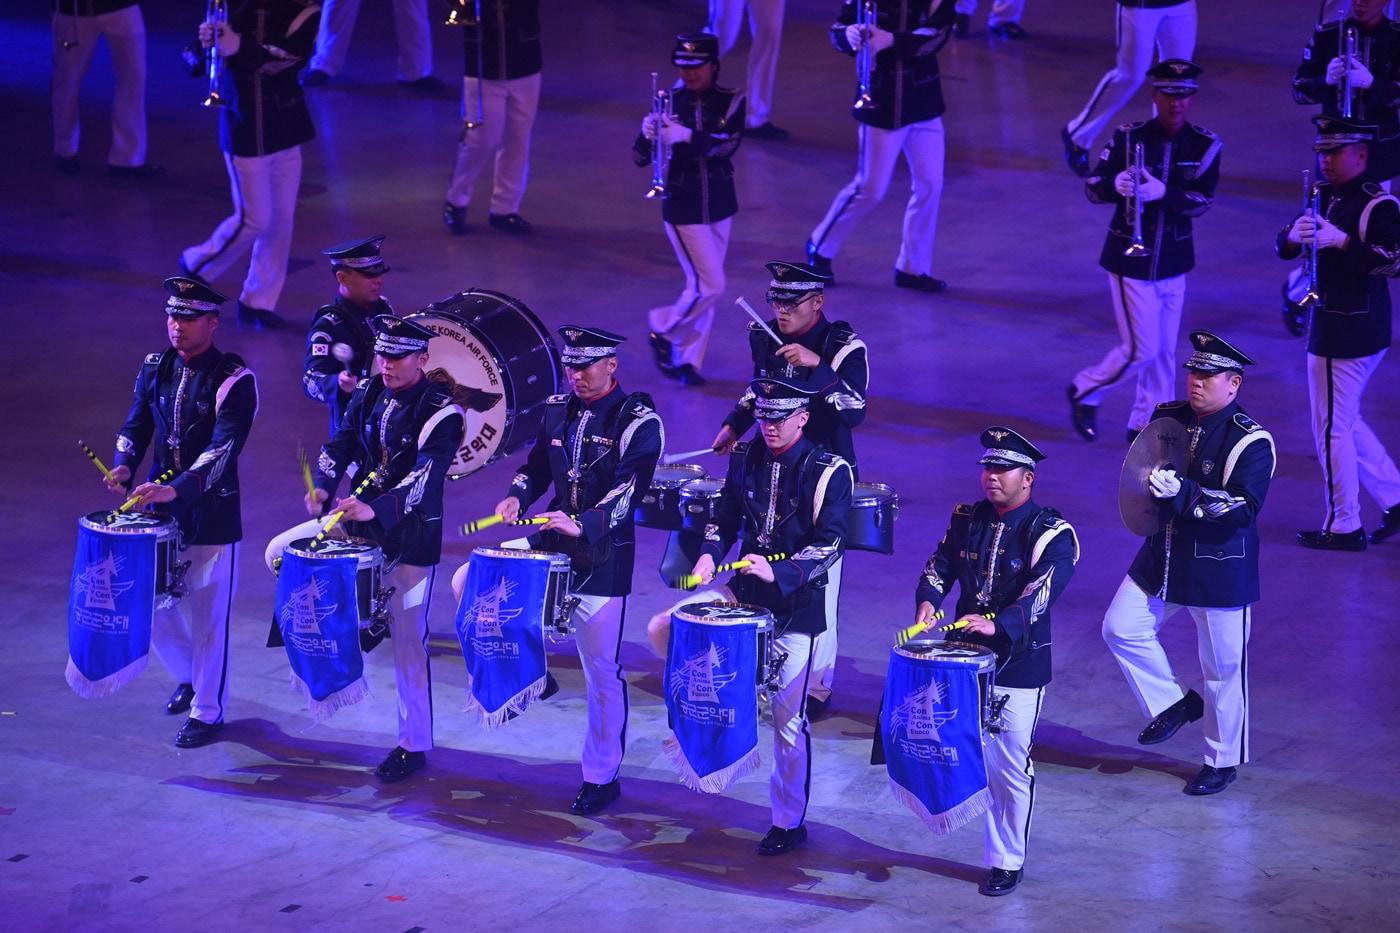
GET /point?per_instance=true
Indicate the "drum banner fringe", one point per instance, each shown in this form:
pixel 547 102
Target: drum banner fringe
pixel 318 614
pixel 500 625
pixel 931 722
pixel 712 703
pixel 111 602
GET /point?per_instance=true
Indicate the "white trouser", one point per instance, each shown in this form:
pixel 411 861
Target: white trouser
pixel 264 208
pixel 824 648
pixel 1347 448
pixel 1171 30
pixel 410 27
pixel 508 109
pixel 408 633
pixel 1148 315
pixel 700 249
pixel 1011 778
pixel 1131 627
pixel 191 637
pixel 1003 11
pixel 126 38
pixel 922 145
pixel 766 32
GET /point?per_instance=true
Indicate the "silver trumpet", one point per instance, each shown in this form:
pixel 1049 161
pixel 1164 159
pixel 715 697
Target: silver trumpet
pixel 1137 248
pixel 865 60
pixel 661 114
pixel 1346 89
pixel 455 17
pixel 216 14
pixel 1310 207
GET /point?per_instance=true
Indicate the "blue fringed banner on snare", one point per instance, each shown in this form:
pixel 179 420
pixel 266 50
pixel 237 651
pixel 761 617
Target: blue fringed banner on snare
pixel 500 625
pixel 317 611
pixel 111 603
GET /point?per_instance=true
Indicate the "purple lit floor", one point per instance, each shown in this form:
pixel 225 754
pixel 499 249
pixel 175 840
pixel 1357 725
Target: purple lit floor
pixel 104 825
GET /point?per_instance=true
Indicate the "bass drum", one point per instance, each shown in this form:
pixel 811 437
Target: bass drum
pixel 502 364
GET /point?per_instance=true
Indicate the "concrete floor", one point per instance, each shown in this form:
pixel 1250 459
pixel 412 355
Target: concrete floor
pixel 104 825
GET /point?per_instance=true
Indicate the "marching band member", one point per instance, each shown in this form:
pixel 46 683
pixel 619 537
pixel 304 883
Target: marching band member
pixel 1011 559
pixel 699 202
pixel 265 121
pixel 905 114
pixel 193 406
pixel 1356 242
pixel 1003 20
pixel 406 428
pixel 414 66
pixel 340 344
pixel 597 448
pixel 1181 163
pixel 1205 559
pixel 766 31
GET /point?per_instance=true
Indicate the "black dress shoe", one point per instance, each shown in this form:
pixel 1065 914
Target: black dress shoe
pixel 1334 541
pixel 259 318
pixel 428 86
pixel 961 23
pixel 1390 524
pixel 661 351
pixel 180 700
pixel 68 165
pixel 1008 31
pixel 778 841
pixel 194 733
pixel 594 797
pixel 455 218
pixel 688 375
pixel 1083 417
pixel 551 686
pixel 920 283
pixel 1210 781
pixel 817 708
pixel 372 634
pixel 1076 156
pixel 767 131
pixel 136 172
pixel 1133 435
pixel 999 882
pixel 400 764
pixel 1187 709
pixel 511 223
pixel 314 77
pixel 819 263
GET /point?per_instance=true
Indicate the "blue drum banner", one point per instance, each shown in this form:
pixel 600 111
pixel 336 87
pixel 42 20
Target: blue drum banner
pixel 320 622
pixel 500 624
pixel 712 702
pixel 111 602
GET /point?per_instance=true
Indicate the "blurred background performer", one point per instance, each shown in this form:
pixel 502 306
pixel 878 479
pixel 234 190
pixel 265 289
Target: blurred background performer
pixel 1181 163
pixel 264 123
pixel 1003 21
pixel 766 33
pixel 699 201
pixel 340 344
pixel 193 406
pixel 904 114
pixel 414 65
pixel 503 63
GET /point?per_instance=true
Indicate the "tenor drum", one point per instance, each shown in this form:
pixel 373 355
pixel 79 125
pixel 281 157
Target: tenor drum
pixel 660 506
pixel 700 503
pixel 557 608
pixel 874 507
pixel 502 365
pixel 370 603
pixel 958 656
pixel 760 620
pixel 162 530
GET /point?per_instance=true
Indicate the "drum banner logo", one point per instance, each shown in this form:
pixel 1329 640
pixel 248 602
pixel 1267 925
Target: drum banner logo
pixel 712 702
pixel 500 626
pixel 111 602
pixel 462 364
pixel 318 613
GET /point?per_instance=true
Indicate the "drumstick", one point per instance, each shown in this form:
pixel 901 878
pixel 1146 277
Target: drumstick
pixel 126 506
pixel 691 580
pixel 687 455
pixel 95 459
pixel 538 520
pixel 903 635
pixel 472 527
pixel 306 470
pixel 337 515
pixel 761 322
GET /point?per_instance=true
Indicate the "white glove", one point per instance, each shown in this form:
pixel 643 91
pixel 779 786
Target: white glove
pixel 1335 69
pixel 649 127
pixel 1302 229
pixel 228 43
pixel 854 37
pixel 1328 235
pixel 1123 183
pixel 880 39
pixel 1153 189
pixel 1361 75
pixel 1164 484
pixel 673 133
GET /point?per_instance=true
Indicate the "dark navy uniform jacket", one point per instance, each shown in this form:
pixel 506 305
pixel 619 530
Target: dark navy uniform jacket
pixel 904 80
pixel 794 504
pixel 1015 565
pixel 844 373
pixel 510 36
pixel 700 177
pixel 409 438
pixel 265 109
pixel 1189 164
pixel 1353 318
pixel 341 322
pixel 599 457
pixel 195 415
pixel 1379 51
pixel 1207 553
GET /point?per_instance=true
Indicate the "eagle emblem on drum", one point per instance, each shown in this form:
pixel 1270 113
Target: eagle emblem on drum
pixel 487 614
pixel 302 609
pixel 918 715
pixel 99 583
pixel 698 677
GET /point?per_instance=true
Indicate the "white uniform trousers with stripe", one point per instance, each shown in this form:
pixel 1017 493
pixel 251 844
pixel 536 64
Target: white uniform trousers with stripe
pixel 1011 778
pixel 191 637
pixel 1003 11
pixel 264 192
pixel 700 249
pixel 1131 627
pixel 922 144
pixel 1170 30
pixel 1148 315
pixel 125 31
pixel 1349 451
pixel 410 28
pixel 502 139
pixel 766 32
pixel 824 648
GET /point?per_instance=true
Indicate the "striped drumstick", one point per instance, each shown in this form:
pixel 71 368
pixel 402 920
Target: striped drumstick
pixel 97 461
pixel 903 635
pixel 472 527
pixel 306 470
pixel 337 515
pixel 691 580
pixel 129 503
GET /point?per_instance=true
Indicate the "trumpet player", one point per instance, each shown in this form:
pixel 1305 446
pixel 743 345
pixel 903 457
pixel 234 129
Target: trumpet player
pixel 1353 242
pixel 698 128
pixel 1149 248
pixel 262 46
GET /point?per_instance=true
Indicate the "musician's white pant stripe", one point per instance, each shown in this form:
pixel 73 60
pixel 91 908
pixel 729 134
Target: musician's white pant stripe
pixel 191 637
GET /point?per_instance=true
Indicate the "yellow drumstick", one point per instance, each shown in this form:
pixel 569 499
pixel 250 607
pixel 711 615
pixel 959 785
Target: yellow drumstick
pixel 471 528
pixel 306 471
pixel 691 580
pixel 126 506
pixel 340 513
pixel 95 459
pixel 903 635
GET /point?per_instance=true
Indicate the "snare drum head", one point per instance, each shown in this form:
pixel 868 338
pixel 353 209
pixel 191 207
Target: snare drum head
pixel 362 549
pixel 957 653
pixel 707 488
pixel 676 475
pixel 131 523
pixel 724 613
pixel 557 561
pixel 867 494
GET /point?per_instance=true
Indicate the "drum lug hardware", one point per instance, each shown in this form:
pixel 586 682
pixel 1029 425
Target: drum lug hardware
pixel 562 621
pixel 994 714
pixel 177 578
pixel 382 612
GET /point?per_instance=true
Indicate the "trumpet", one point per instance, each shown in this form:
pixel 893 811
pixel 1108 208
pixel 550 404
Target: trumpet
pixel 661 114
pixel 1346 89
pixel 1137 248
pixel 865 60
pixel 1311 198
pixel 216 14
pixel 456 18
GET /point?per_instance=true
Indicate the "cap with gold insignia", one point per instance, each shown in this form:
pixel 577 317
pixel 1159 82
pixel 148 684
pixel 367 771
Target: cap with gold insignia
pixel 694 49
pixel 1212 354
pixel 362 256
pixel 775 399
pixel 1007 448
pixel 794 281
pixel 584 346
pixel 1335 132
pixel 1175 77
pixel 396 337
pixel 190 297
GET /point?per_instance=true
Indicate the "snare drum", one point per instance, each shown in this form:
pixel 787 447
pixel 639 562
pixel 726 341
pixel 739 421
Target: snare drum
pixel 700 503
pixel 170 572
pixel 502 364
pixel 660 506
pixel 874 507
pixel 960 656
pixel 741 614
pixel 370 603
pixel 558 605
